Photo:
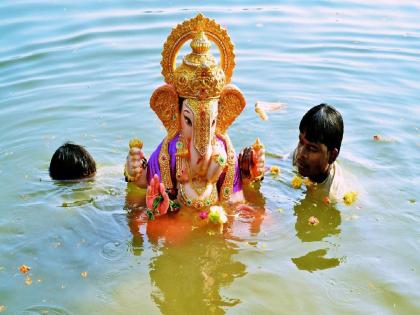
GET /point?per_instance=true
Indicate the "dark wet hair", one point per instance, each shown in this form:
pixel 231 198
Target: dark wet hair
pixel 71 161
pixel 323 124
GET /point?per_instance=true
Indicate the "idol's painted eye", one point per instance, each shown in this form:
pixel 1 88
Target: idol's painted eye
pixel 213 123
pixel 187 121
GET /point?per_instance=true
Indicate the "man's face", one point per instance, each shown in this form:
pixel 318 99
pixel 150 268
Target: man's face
pixel 312 159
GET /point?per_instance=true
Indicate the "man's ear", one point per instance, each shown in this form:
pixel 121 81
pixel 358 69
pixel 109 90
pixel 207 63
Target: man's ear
pixel 333 155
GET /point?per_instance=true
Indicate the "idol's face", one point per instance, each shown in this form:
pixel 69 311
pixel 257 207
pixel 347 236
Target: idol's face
pixel 198 123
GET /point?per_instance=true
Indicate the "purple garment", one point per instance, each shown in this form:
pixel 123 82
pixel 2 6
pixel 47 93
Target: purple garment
pixel 153 166
pixel 153 163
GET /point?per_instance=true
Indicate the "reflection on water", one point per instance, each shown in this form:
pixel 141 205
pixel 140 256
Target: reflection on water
pixel 315 260
pixel 194 260
pixel 190 267
pixel 329 222
pixel 192 275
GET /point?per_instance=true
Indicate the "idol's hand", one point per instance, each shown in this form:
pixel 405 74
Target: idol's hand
pixel 252 162
pixel 258 163
pixel 136 163
pixel 157 199
pixel 218 162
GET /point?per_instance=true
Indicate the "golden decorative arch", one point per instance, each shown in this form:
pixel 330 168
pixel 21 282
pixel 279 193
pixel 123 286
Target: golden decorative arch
pixel 186 31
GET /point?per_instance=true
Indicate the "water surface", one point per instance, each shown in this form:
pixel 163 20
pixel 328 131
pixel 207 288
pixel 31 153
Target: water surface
pixel 84 71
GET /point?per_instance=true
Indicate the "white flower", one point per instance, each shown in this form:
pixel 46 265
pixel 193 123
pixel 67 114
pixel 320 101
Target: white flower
pixel 217 215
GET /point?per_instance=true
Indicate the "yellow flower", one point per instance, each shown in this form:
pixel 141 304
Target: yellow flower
pixel 275 170
pixel 297 182
pixel 349 198
pixel 217 215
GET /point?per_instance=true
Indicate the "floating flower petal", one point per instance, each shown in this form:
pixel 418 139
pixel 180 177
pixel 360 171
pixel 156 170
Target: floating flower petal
pixel 28 280
pixel 297 182
pixel 261 112
pixel 24 269
pixel 349 198
pixel 275 170
pixel 313 221
pixel 270 106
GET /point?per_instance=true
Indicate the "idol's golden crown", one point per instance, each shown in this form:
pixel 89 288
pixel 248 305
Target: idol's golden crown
pixel 198 76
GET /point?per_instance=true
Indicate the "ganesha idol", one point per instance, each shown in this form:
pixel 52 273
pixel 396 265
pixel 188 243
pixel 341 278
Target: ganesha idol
pixel 195 165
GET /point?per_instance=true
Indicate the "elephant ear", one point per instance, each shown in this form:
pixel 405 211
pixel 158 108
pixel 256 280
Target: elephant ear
pixel 231 104
pixel 164 102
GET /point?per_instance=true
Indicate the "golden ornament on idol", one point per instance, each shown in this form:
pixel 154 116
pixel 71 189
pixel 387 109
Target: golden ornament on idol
pixel 196 83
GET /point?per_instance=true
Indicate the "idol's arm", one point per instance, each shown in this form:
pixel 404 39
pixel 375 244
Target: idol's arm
pixel 142 180
pixel 251 162
pixel 135 169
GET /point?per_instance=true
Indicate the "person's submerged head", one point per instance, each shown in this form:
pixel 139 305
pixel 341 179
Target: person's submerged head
pixel 71 162
pixel 321 132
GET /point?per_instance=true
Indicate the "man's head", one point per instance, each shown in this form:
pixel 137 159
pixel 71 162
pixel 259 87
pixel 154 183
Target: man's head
pixel 72 161
pixel 321 132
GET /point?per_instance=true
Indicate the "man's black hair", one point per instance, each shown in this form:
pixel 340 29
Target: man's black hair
pixel 323 124
pixel 71 161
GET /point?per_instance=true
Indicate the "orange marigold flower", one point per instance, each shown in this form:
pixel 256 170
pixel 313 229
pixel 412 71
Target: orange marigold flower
pixel 24 269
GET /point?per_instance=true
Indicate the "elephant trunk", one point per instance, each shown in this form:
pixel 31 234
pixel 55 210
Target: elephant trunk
pixel 202 132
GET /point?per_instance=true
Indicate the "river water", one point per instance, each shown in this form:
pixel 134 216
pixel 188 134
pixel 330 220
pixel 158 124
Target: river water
pixel 84 71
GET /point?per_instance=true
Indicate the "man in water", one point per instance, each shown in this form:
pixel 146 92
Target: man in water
pixel 72 162
pixel 321 132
